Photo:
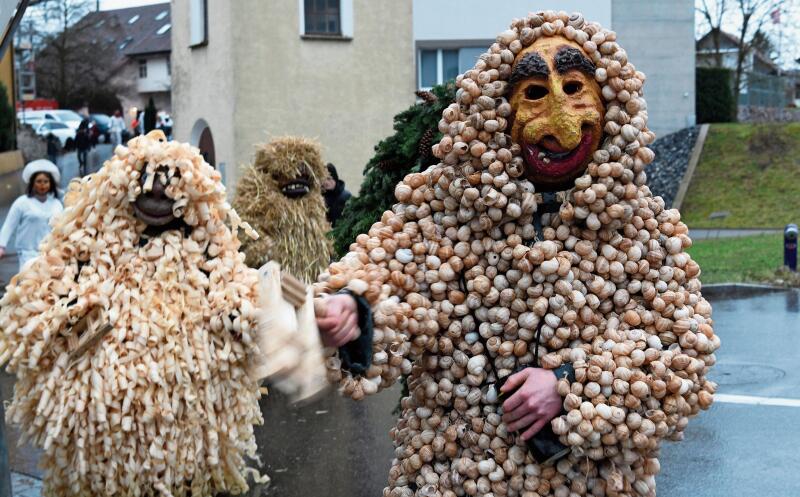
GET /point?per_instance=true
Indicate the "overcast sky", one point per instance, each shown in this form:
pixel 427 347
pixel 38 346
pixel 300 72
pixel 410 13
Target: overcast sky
pixel 121 4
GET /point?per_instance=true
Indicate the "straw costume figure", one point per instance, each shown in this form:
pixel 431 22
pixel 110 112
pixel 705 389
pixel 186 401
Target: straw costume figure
pixel 131 333
pixel 529 283
pixel 280 196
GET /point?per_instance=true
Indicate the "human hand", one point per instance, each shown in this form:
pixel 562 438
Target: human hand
pixel 339 323
pixel 534 403
pixel 2 252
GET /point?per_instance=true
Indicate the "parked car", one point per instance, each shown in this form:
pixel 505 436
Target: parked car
pixel 68 117
pixel 101 126
pixel 64 133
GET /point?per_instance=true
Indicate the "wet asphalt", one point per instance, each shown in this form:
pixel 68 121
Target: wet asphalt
pixel 340 448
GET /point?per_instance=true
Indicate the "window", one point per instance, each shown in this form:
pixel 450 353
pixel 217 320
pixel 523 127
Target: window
pixel 143 68
pixel 437 65
pixel 169 66
pixel 198 19
pixel 133 19
pixel 161 15
pixel 322 17
pixel 125 43
pixel 163 29
pixel 326 18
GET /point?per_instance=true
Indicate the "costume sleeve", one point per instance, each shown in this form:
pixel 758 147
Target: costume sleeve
pixel 642 373
pixel 381 271
pixel 11 222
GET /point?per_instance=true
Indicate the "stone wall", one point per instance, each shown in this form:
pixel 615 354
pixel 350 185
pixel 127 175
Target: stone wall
pixel 754 114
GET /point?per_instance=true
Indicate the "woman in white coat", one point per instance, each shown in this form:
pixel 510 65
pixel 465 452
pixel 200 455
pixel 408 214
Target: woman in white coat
pixel 30 214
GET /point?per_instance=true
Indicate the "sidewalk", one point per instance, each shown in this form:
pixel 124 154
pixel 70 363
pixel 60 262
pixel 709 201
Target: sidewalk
pixel 711 233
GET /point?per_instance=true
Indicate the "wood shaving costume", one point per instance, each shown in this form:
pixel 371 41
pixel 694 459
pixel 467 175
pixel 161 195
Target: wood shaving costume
pixel 280 196
pixel 162 403
pixel 534 242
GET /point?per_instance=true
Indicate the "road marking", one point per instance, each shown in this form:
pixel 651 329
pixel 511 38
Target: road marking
pixel 755 401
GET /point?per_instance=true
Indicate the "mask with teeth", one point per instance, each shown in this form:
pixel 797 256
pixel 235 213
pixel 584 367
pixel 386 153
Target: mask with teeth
pixel 280 196
pixel 557 111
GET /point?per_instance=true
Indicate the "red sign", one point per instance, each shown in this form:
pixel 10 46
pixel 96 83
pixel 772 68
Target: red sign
pixel 38 104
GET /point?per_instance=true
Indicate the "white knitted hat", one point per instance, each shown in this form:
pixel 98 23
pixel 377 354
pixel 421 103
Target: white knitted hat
pixel 40 166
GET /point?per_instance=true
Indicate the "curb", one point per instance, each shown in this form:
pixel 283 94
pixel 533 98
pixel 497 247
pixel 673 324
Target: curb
pixel 694 158
pixel 743 289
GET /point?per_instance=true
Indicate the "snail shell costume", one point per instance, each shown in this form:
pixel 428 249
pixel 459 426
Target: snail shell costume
pixel 535 241
pixel 162 404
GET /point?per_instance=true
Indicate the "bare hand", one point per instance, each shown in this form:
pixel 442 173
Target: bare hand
pixel 534 403
pixel 339 325
pixel 2 252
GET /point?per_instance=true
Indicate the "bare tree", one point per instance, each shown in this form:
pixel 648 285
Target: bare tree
pixel 753 15
pixel 713 13
pixel 77 56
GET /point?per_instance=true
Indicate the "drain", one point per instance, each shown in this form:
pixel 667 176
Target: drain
pixel 744 374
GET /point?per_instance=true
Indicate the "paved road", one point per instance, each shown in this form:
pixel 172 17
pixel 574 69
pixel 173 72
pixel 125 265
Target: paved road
pixel 740 449
pixel 735 449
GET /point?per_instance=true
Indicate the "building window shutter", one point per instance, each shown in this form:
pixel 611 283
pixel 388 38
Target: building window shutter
pixel 198 18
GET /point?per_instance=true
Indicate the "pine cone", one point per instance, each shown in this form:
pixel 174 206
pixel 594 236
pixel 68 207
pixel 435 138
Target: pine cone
pixel 425 144
pixel 426 96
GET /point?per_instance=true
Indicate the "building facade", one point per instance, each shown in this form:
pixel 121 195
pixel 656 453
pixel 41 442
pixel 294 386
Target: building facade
pixel 144 42
pixel 339 70
pixel 658 37
pixel 246 71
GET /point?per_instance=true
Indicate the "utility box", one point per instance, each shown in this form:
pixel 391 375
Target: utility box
pixel 790 246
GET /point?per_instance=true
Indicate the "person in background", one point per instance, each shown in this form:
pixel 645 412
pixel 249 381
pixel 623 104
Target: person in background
pixel 30 214
pixel 117 127
pixel 52 148
pixel 139 124
pixel 336 196
pixel 135 124
pixel 83 143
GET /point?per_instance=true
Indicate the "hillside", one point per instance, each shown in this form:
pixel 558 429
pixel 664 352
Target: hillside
pixel 749 171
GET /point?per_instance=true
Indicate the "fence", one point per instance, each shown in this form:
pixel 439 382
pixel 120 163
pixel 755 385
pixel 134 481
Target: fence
pixel 764 90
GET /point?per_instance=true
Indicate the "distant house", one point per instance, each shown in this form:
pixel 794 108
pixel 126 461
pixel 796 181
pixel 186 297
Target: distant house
pixel 142 36
pixel 755 61
pixel 763 83
pixel 126 49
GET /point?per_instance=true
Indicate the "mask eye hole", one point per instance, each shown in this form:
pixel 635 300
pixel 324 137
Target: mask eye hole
pixel 535 92
pixel 572 87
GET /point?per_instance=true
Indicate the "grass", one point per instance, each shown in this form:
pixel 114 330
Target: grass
pixel 749 170
pixel 735 260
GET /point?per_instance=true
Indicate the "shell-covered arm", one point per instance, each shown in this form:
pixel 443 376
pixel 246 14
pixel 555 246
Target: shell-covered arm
pixel 380 269
pixel 640 372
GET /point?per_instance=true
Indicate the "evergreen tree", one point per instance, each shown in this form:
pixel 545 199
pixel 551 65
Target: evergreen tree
pixel 407 150
pixel 150 116
pixel 7 117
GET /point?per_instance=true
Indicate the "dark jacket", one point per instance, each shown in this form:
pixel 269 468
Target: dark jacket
pixel 335 200
pixel 52 145
pixel 82 140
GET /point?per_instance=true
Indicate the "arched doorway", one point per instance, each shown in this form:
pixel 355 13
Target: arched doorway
pixel 202 139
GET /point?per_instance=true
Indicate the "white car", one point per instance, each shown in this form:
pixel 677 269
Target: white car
pixel 68 117
pixel 62 131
